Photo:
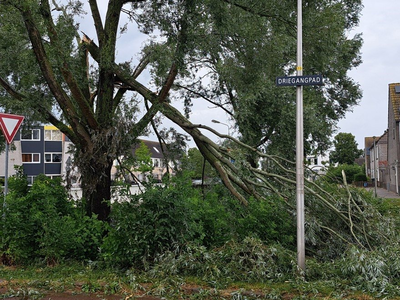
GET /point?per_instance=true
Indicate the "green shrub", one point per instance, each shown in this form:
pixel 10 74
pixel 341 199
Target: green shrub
pixel 41 223
pixel 269 220
pixel 152 222
pixel 360 177
pixel 334 174
pixel 218 213
pixel 224 219
pixel 249 260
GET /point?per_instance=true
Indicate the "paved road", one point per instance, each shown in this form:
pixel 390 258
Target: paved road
pixel 384 193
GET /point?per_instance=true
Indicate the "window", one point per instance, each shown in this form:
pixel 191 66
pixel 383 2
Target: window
pixel 30 179
pixel 31 157
pixel 52 157
pixel 30 135
pixel 53 176
pixel 156 162
pixel 52 135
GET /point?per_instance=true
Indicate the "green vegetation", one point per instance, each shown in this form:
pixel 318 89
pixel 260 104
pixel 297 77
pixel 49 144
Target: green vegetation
pixel 173 240
pixel 225 54
pixel 346 151
pixel 353 173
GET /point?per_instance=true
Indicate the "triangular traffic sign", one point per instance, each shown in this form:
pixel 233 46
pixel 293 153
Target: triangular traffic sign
pixel 9 125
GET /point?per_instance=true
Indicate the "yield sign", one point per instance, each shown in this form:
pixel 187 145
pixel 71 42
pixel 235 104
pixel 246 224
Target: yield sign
pixel 10 125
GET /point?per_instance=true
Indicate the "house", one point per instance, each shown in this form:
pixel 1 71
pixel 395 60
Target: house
pixel 159 163
pixel 368 142
pixel 377 159
pixel 45 150
pixel 39 150
pixel 317 164
pixel 393 139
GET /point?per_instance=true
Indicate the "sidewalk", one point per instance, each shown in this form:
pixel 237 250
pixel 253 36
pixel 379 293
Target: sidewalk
pixel 384 193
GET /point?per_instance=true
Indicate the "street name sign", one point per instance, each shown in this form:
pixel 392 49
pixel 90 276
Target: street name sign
pixel 9 125
pixel 299 80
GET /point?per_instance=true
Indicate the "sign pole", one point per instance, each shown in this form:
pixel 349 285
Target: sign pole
pixel 299 145
pixel 5 183
pixel 6 173
pixel 9 124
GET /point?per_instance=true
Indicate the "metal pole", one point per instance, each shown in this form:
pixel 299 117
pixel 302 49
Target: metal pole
pixel 218 122
pixel 299 145
pixel 397 182
pixel 375 178
pixel 5 183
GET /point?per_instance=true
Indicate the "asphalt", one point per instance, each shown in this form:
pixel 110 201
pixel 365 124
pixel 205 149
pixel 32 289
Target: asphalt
pixel 384 193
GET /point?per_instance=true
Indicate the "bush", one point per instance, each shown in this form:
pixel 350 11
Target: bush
pixel 247 261
pixel 41 223
pixel 334 174
pixel 152 222
pixel 360 177
pixel 224 219
pixel 269 220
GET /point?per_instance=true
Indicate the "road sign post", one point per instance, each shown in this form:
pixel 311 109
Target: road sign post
pixel 9 124
pixel 299 144
pixel 299 81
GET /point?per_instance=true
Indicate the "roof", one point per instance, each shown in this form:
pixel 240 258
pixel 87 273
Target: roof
pixel 154 148
pixel 369 141
pixel 394 98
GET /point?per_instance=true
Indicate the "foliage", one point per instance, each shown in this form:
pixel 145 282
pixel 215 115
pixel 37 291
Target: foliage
pixel 151 223
pixel 374 271
pixel 223 219
pixel 41 223
pixel 227 53
pixel 168 216
pixel 181 236
pixel 346 150
pixel 142 157
pixel 360 177
pixel 334 174
pixel 197 164
pixel 246 261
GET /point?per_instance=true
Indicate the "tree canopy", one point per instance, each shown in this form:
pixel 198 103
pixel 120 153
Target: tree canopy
pixel 226 53
pixel 346 149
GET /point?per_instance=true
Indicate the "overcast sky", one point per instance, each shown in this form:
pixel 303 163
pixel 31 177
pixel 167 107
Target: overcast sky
pixel 380 27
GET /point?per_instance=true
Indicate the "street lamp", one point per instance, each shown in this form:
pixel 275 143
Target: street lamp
pixel 218 122
pixel 375 179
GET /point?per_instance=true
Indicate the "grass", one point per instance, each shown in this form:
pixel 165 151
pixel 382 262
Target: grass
pixel 35 281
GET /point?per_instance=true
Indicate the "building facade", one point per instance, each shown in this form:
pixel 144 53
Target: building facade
pixel 316 166
pixel 39 150
pixel 159 162
pixel 378 161
pixel 393 140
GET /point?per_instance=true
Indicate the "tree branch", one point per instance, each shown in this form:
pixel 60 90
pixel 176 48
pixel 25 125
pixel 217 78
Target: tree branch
pixel 47 72
pixel 198 94
pixel 69 78
pixel 98 24
pixel 43 111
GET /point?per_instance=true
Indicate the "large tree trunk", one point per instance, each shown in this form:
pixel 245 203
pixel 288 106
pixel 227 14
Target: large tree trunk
pixel 94 163
pixel 96 185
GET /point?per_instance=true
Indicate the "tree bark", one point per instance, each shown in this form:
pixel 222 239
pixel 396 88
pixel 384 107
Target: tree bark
pixel 97 195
